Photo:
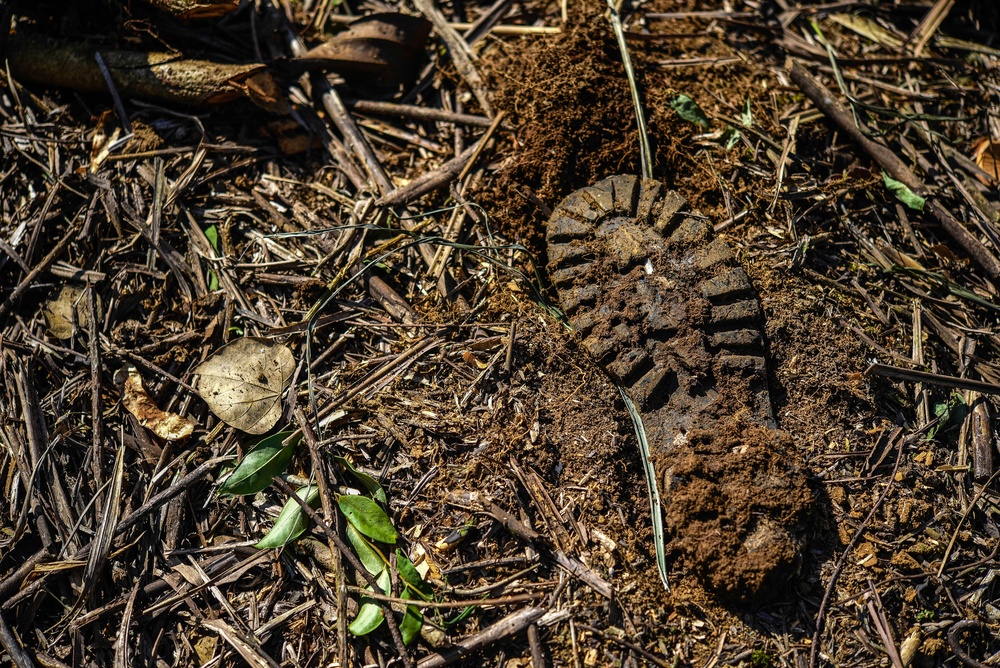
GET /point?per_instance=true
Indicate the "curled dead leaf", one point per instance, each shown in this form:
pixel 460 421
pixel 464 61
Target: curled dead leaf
pixel 168 426
pixel 243 382
pixel 986 153
pixel 382 49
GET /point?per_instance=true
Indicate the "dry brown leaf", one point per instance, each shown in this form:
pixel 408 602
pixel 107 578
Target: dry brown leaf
pixel 168 426
pixel 243 381
pixel 59 312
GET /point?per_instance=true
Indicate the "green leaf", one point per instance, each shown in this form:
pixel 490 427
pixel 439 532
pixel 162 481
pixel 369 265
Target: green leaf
pixel 369 555
pixel 369 483
pixel 212 234
pixel 213 281
pixel 367 517
pixel 292 520
pixel 948 412
pixel 731 136
pixel 689 110
pixel 370 615
pixel 747 116
pixel 413 619
pixel 903 193
pixel 411 576
pixel 264 461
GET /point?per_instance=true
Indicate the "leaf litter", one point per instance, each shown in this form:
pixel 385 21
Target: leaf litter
pixel 243 382
pixel 499 443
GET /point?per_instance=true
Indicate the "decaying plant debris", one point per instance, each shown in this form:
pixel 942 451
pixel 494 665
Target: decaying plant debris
pixel 282 382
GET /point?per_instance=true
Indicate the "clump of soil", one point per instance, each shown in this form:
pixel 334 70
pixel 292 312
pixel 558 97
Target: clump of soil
pixel 736 498
pixel 569 99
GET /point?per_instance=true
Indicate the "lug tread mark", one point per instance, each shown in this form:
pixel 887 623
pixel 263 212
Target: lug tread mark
pixel 576 206
pixel 653 388
pixel 733 283
pixel 599 347
pixel 619 224
pixel 574 298
pixel 650 193
pixel 738 312
pixel 566 254
pixel 563 228
pixel 671 205
pixel 738 338
pixel 626 192
pixel 569 275
pixel 690 231
pixel 630 364
pixel 717 252
pixel 601 196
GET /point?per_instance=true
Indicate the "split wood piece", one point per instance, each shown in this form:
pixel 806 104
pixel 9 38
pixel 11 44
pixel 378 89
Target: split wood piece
pixel 979 427
pixel 486 21
pixel 509 626
pixel 876 612
pixel 391 301
pixel 381 376
pixel 245 645
pixel 354 139
pixel 160 77
pixel 570 564
pixel 180 588
pixel 417 113
pixel 320 470
pixel 430 181
pixel 48 474
pixel 941 380
pixel 459 50
pixel 896 168
pixel 929 25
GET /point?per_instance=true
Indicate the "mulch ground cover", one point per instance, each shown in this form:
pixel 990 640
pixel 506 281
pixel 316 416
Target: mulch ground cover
pixel 285 381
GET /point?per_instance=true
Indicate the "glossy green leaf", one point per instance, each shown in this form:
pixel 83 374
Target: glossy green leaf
pixel 212 234
pixel 367 517
pixel 370 615
pixel 369 555
pixel 689 110
pixel 292 521
pixel 411 576
pixel 264 461
pixel 368 482
pixel 903 193
pixel 413 619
